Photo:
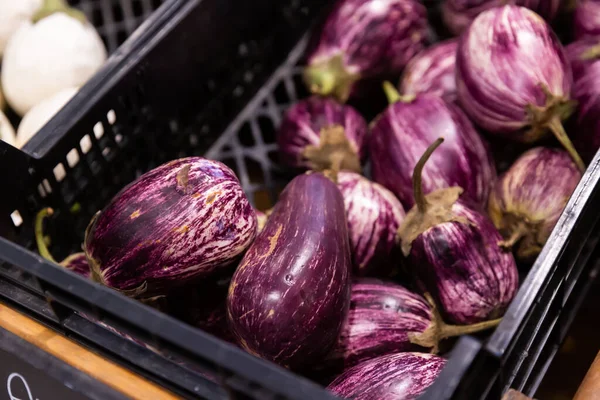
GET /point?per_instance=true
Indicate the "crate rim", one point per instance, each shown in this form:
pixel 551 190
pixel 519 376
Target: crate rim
pixel 111 72
pixel 496 345
pixel 546 260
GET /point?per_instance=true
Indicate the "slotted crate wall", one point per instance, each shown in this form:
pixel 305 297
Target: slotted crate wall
pixel 199 86
pixel 115 20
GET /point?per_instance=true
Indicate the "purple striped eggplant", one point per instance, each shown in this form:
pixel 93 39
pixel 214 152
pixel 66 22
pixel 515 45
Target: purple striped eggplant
pixel 458 14
pixel 400 135
pixel 432 71
pixel 513 77
pixel 454 253
pixel 363 39
pixel 184 220
pixel 290 294
pixel 76 262
pixel 586 19
pixel 374 215
pixel 401 376
pixel 319 133
pixel 530 197
pixel 586 132
pixel 582 54
pixel 387 318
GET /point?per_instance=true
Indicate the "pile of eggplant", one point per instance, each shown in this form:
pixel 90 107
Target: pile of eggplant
pixel 357 279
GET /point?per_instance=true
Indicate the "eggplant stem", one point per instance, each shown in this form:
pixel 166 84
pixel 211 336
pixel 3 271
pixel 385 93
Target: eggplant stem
pixel 393 96
pixel 391 93
pixel 417 181
pixel 183 177
pixel 50 7
pixel 439 330
pixel 517 234
pixel 555 125
pixel 334 152
pixel 447 331
pixel 39 234
pixel 592 53
pixel 330 78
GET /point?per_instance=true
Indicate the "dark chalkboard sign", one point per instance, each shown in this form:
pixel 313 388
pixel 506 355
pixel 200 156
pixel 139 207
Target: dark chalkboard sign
pixel 23 382
pixel 29 373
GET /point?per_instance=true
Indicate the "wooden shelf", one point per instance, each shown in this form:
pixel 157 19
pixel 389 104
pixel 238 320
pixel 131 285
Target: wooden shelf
pixel 106 372
pixel 590 387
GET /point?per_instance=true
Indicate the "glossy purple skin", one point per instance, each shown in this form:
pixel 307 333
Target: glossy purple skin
pixel 471 278
pixel 586 91
pixel 302 124
pixel 400 135
pixel 528 190
pixel 290 294
pixel 400 376
pixel 381 316
pixel 77 263
pixel 586 19
pixel 576 54
pixel 458 14
pixel 374 215
pixel 503 60
pixel 160 232
pixel 374 37
pixel 432 71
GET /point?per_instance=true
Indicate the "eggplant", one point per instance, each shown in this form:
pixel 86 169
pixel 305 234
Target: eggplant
pixel 179 222
pixel 455 255
pixel 77 263
pixel 400 376
pixel 581 55
pixel 374 215
pixel 364 39
pixel 529 198
pixel 586 19
pixel 513 77
pixel 458 14
pixel 432 71
pixel 319 133
pixel 400 135
pixel 586 135
pixel 584 55
pixel 386 318
pixel 290 294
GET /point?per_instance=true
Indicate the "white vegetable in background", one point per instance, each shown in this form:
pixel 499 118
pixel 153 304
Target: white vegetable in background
pixel 13 14
pixel 60 50
pixel 2 102
pixel 39 115
pixel 7 133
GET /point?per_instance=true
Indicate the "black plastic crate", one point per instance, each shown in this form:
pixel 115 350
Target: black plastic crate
pixel 212 78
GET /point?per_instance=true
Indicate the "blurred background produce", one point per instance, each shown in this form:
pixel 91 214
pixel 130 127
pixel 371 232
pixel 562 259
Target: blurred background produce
pixel 47 51
pixel 185 230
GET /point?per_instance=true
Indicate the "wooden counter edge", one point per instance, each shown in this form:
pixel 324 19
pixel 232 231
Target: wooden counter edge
pixel 590 386
pixel 107 372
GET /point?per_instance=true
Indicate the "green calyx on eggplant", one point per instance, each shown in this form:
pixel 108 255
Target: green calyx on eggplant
pixel 454 254
pixel 76 262
pixel 385 318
